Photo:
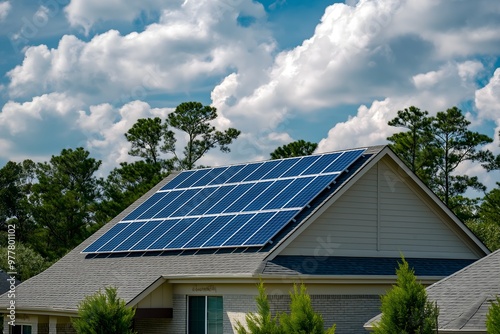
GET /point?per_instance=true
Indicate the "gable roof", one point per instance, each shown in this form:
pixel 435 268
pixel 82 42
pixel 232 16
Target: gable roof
pixel 464 297
pixel 61 287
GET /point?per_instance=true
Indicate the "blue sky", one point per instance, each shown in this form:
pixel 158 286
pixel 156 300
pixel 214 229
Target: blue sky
pixel 81 72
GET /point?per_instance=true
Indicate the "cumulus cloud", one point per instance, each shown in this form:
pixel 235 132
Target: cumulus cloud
pixel 189 45
pixel 4 9
pixel 487 99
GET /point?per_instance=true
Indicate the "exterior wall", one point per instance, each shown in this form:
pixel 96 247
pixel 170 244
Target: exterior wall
pixel 348 312
pixel 160 297
pixel 153 326
pixel 381 215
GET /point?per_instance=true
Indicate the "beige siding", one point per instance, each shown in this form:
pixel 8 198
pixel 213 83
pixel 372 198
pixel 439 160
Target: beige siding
pixel 381 215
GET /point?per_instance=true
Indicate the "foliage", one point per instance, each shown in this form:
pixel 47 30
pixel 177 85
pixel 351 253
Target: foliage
pixel 15 187
pixel 405 308
pixel 434 147
pixel 194 119
pixel 294 149
pixel 261 322
pixel 104 313
pixel 145 136
pixel 486 223
pixel 414 146
pixel 126 184
pixel 493 317
pixel 28 262
pixel 302 318
pixel 64 201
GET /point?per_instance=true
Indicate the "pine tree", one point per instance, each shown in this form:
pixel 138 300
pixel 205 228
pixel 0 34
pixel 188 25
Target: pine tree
pixel 302 318
pixel 261 322
pixel 493 317
pixel 405 308
pixel 104 313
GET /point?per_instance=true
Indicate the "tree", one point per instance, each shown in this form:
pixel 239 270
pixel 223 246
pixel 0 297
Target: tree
pixel 194 119
pixel 486 223
pixel 434 147
pixel 405 308
pixel 28 262
pixel 493 317
pixel 302 318
pixel 261 322
pixel 456 145
pixel 414 146
pixel 104 313
pixel 294 149
pixel 64 201
pixel 145 136
pixel 16 180
pixel 126 184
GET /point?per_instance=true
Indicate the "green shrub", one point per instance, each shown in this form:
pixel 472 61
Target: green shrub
pixel 104 313
pixel 493 317
pixel 405 308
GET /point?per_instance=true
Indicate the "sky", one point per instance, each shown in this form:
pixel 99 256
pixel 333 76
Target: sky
pixel 82 72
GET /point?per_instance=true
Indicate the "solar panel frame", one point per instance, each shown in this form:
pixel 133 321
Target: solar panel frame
pixel 225 207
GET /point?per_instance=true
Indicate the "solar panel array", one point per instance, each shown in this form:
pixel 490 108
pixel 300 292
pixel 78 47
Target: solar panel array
pixel 235 206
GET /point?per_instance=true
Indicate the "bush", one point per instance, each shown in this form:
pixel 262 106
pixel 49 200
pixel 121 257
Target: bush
pixel 405 308
pixel 104 313
pixel 301 320
pixel 493 317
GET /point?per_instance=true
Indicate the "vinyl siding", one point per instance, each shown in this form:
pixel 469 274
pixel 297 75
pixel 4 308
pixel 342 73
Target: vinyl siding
pixel 381 215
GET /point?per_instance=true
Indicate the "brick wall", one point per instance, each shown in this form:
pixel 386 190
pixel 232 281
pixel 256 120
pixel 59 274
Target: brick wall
pixel 65 329
pixel 43 328
pixel 236 306
pixel 348 312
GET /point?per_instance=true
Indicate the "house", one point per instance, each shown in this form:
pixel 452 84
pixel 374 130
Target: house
pixel 465 297
pixel 189 253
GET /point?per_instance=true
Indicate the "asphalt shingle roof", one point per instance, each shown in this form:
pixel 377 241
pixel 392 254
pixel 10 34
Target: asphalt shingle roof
pixel 464 297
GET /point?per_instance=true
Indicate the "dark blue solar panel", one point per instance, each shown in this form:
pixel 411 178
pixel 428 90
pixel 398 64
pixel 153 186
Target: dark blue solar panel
pixel 320 164
pixel 145 206
pixel 120 237
pixel 198 174
pixel 230 198
pixel 273 226
pixel 190 232
pixel 161 229
pixel 211 200
pixel 301 166
pixel 265 197
pixel 138 235
pixel 209 177
pixel 243 173
pixel 344 161
pixel 227 174
pixel 248 197
pixel 105 238
pixel 282 198
pixel 307 193
pixel 282 168
pixel 265 168
pixel 177 203
pixel 163 202
pixel 209 231
pixel 248 229
pixel 193 202
pixel 212 205
pixel 228 230
pixel 181 177
pixel 174 232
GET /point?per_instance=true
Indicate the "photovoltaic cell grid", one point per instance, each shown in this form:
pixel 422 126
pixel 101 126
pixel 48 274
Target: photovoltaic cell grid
pixel 233 206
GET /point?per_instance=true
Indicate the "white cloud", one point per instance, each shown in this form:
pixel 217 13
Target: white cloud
pixel 487 99
pixel 187 47
pixel 5 8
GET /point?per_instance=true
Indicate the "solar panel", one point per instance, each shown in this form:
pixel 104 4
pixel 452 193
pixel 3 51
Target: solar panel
pixel 243 205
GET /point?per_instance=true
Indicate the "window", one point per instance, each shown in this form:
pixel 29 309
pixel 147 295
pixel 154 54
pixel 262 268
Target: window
pixel 21 329
pixel 205 315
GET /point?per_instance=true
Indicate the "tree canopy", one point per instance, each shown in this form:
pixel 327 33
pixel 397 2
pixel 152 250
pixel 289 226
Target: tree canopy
pixel 294 149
